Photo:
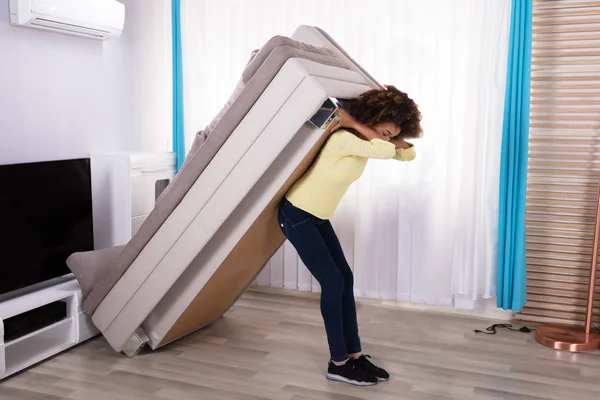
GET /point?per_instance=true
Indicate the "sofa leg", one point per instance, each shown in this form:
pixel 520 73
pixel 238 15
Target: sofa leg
pixel 135 343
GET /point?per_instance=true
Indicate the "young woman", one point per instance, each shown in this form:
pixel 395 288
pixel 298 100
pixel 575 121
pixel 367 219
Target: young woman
pixel 375 126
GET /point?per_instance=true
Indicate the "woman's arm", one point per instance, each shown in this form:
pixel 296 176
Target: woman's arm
pixel 369 145
pixel 400 143
pixel 344 143
pixel 404 151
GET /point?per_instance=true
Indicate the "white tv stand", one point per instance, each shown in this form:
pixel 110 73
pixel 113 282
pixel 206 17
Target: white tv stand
pixel 30 349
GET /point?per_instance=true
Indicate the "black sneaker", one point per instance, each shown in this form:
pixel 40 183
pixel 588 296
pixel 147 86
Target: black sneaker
pixel 350 373
pixel 363 363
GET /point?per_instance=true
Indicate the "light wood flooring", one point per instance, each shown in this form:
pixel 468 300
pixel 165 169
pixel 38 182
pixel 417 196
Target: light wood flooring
pixel 273 347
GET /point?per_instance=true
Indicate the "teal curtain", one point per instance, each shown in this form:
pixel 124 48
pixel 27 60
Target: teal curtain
pixel 513 169
pixel 178 130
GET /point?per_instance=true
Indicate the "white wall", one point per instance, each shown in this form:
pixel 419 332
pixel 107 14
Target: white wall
pixel 148 44
pixel 63 96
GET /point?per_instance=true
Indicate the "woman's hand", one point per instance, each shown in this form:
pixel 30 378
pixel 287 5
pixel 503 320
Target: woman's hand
pixel 346 120
pixel 400 143
pixel 343 121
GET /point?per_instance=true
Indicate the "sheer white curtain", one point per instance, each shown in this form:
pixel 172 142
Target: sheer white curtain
pixel 423 231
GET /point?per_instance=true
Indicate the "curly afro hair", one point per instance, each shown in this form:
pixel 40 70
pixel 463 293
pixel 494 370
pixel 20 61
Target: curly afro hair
pixel 388 105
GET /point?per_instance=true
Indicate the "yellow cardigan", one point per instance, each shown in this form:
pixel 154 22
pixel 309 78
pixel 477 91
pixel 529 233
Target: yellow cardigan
pixel 341 162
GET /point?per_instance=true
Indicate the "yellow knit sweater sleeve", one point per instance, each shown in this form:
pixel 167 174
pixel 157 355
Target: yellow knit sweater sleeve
pixel 344 143
pixel 406 154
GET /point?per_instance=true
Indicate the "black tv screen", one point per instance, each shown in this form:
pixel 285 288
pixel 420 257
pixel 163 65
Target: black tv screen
pixel 45 215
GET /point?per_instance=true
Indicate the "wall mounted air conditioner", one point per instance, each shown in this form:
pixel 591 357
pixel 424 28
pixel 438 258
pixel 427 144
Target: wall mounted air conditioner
pixel 98 19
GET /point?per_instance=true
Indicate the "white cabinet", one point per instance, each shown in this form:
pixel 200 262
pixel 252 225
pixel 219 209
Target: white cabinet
pixel 124 190
pixel 33 347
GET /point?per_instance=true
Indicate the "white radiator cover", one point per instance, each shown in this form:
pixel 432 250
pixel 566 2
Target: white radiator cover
pixel 124 190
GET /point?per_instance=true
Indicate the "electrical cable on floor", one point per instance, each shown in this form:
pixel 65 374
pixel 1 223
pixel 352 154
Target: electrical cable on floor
pixel 492 330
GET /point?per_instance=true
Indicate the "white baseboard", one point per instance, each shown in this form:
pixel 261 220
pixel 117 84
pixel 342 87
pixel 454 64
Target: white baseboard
pixel 481 309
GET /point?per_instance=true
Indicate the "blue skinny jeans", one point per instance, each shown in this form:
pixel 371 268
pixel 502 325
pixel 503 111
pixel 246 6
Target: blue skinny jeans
pixel 321 252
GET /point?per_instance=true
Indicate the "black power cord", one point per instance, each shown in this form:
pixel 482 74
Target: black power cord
pixel 492 330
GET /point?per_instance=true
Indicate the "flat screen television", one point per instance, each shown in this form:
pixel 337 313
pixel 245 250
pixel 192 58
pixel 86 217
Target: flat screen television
pixel 45 216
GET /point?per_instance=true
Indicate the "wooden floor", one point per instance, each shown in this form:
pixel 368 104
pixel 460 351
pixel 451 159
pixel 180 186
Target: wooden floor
pixel 273 347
